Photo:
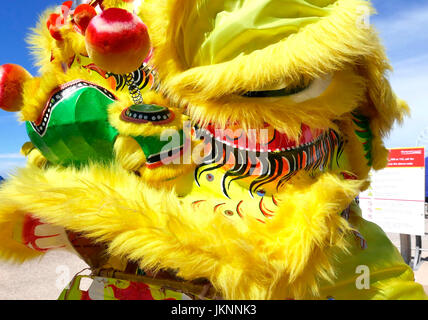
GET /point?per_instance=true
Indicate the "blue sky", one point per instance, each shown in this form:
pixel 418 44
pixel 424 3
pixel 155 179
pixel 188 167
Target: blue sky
pixel 16 18
pixel 401 23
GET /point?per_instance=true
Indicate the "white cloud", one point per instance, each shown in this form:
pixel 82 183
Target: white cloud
pixel 407 20
pixel 404 31
pixel 8 118
pixel 410 82
pixel 407 43
pixel 11 156
pixel 9 162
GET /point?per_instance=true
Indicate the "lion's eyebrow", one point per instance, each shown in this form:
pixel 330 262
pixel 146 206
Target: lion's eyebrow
pixel 287 91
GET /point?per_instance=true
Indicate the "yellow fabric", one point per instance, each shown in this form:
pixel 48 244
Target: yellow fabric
pixel 218 31
pixel 390 278
pixel 301 54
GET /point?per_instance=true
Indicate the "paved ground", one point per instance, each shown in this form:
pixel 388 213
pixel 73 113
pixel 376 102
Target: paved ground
pixel 41 279
pixel 44 279
pixel 421 272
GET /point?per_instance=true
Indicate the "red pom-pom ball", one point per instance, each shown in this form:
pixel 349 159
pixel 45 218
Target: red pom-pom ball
pixel 12 78
pixel 117 41
pixel 82 15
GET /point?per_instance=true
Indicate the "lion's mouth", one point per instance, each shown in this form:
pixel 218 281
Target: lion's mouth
pixel 276 161
pixel 263 140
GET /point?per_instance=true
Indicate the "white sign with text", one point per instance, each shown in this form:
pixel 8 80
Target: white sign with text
pixel 396 198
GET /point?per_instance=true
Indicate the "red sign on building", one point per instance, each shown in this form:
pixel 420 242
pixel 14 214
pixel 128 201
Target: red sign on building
pixel 406 158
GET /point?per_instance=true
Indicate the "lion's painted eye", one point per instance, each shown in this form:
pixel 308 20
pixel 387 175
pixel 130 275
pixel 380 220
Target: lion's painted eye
pixel 283 92
pixel 299 93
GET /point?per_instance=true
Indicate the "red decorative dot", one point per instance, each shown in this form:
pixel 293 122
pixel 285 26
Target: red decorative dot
pixel 83 15
pixel 349 176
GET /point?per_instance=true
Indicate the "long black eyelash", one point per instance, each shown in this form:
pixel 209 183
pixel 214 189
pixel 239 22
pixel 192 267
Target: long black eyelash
pixel 278 167
pixel 319 155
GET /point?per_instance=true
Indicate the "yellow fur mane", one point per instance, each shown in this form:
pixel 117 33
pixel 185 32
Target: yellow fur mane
pixel 159 230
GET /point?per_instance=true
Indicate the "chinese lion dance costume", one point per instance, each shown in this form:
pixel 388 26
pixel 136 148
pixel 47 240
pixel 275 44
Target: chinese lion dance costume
pixel 205 149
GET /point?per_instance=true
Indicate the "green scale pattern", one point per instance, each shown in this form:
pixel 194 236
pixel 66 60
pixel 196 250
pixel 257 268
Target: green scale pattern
pixel 78 131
